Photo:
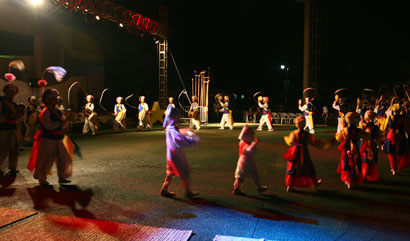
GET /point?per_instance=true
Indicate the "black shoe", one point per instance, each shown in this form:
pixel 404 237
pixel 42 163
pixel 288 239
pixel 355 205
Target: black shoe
pixel 238 192
pixel 166 193
pixel 262 189
pixel 63 181
pixel 13 173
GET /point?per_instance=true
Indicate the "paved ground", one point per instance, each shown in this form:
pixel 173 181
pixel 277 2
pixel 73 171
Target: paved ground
pixel 120 175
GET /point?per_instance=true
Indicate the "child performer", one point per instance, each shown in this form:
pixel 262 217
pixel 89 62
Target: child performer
pixel 368 148
pixel 194 113
pixel 265 114
pixel 300 171
pixel 48 146
pixel 143 114
pixel 9 114
pixel 245 166
pixel 89 116
pixel 170 105
pixel 307 110
pixel 396 143
pixel 339 106
pixel 120 115
pixel 31 119
pixel 177 163
pixel 227 114
pixel 350 165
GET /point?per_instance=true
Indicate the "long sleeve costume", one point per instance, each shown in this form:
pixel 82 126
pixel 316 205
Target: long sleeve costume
pixel 396 145
pixel 227 115
pixel 266 116
pixel 307 110
pixel 48 147
pixel 143 116
pixel 120 115
pixel 300 171
pixel 341 114
pixel 369 151
pixel 350 164
pixel 88 124
pixel 195 119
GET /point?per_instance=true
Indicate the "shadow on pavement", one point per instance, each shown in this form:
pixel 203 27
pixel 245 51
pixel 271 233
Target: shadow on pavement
pixel 5 182
pixel 68 195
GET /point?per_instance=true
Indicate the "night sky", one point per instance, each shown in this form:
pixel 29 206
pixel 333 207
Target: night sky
pixel 364 44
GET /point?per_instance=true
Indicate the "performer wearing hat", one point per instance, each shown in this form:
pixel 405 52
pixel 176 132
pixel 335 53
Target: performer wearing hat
pixel 369 148
pixel 143 114
pixel 31 119
pixel 48 146
pixel 307 110
pixel 194 114
pixel 265 113
pixel 89 116
pixel 350 165
pixel 396 145
pixel 380 110
pixel 300 171
pixel 120 115
pixel 170 106
pixel 177 163
pixel 9 133
pixel 245 166
pixel 339 106
pixel 227 114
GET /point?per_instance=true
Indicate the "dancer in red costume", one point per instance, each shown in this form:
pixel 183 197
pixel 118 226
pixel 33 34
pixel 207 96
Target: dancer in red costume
pixel 350 165
pixel 369 148
pixel 300 171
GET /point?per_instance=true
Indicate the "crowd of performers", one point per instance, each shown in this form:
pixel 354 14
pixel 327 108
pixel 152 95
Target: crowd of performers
pixel 361 135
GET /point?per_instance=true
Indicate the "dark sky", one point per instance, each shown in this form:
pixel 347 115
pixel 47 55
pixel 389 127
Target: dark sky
pixel 364 43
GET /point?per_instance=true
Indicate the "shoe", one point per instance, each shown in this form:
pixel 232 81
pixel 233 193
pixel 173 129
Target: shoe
pixel 44 183
pixel 258 129
pixel 13 173
pixel 289 189
pixel 270 130
pixel 238 192
pixel 318 182
pixel 191 194
pixel 165 193
pixel 261 189
pixel 349 186
pixel 231 128
pixel 198 128
pixel 63 181
pixel 221 128
pixel 394 173
pixel 93 134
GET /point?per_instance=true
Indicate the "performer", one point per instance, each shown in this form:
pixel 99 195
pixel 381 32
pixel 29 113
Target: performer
pixel 120 115
pixel 9 114
pixel 361 108
pixel 90 116
pixel 339 106
pixel 350 165
pixel 245 166
pixel 380 110
pixel 307 110
pixel 300 171
pixel 170 105
pixel 227 114
pixel 265 113
pixel 395 144
pixel 194 114
pixel 31 119
pixel 143 114
pixel 369 148
pixel 325 115
pixel 177 163
pixel 49 146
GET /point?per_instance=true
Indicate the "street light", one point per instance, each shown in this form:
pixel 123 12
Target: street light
pixel 286 82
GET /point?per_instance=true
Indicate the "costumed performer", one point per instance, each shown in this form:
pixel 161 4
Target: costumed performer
pixel 31 119
pixel 90 116
pixel 49 146
pixel 177 163
pixel 143 114
pixel 194 114
pixel 245 166
pixel 266 115
pixel 340 107
pixel 170 105
pixel 300 171
pixel 307 110
pixel 227 114
pixel 120 115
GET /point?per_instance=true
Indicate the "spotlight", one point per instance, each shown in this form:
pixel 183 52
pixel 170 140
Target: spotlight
pixel 98 18
pixel 121 25
pixel 86 10
pixel 36 2
pixel 156 41
pixel 282 66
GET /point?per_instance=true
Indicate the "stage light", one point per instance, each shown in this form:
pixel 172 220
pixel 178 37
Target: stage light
pixel 98 18
pixel 86 10
pixel 36 2
pixel 156 41
pixel 121 25
pixel 282 66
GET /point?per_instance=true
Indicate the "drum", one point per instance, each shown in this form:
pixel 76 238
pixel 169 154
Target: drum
pixel 190 114
pixel 121 116
pixel 260 98
pixel 92 117
pixel 196 115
